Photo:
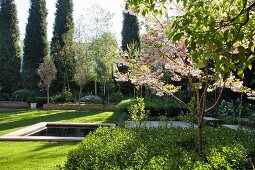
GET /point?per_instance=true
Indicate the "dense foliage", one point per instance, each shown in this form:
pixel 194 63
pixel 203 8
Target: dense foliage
pixel 62 45
pixel 163 148
pixel 130 34
pixel 38 100
pixel 63 97
pixel 10 79
pixel 206 43
pixel 156 105
pixel 130 30
pixel 35 44
pixel 22 95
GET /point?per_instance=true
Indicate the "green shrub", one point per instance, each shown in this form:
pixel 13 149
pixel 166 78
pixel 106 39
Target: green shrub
pixel 162 148
pixel 39 100
pixel 156 105
pixel 230 120
pixel 5 96
pixel 233 108
pixel 124 105
pixel 138 112
pixel 116 97
pixel 22 95
pixel 252 117
pixel 63 97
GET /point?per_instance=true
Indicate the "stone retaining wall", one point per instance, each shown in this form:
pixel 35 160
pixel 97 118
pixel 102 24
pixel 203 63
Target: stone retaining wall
pixel 77 107
pixel 13 104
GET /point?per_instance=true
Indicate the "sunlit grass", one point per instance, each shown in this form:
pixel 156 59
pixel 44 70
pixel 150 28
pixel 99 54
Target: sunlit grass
pixel 42 155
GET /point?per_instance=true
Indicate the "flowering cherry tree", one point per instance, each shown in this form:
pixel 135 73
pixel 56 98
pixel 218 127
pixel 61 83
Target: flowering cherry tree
pixel 203 45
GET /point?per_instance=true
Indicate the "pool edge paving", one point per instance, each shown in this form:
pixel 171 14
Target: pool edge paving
pixel 23 134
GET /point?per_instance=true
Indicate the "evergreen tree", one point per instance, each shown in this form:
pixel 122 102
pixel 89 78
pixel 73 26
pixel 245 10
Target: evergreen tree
pixel 35 43
pixel 9 47
pixel 130 30
pixel 62 44
pixel 130 34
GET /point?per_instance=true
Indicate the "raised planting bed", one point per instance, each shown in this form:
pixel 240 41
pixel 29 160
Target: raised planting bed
pixel 77 107
pixel 14 104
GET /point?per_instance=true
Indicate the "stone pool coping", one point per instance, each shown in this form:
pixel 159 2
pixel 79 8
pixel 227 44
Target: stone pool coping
pixel 23 134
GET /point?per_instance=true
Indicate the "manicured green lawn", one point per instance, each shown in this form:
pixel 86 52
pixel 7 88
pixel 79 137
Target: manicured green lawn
pixel 41 155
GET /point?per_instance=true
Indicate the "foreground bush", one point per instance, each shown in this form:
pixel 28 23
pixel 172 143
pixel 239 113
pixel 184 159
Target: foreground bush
pixel 163 148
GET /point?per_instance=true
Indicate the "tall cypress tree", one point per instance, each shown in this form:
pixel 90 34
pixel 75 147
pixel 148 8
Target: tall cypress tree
pixel 130 30
pixel 9 47
pixel 130 34
pixel 62 45
pixel 35 43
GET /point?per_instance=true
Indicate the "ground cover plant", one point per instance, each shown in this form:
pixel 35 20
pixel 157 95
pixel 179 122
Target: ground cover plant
pixel 163 148
pixel 41 155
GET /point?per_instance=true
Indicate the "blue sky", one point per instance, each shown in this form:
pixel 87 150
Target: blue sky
pixel 115 6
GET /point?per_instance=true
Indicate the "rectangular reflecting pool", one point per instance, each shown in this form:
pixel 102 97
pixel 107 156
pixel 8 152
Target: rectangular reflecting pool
pixel 54 132
pixel 64 132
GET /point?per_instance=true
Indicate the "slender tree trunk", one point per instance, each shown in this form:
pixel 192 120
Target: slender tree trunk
pixel 104 90
pixel 95 88
pixel 199 120
pixel 200 135
pixel 64 85
pixel 108 93
pixel 134 91
pixel 141 91
pixel 80 93
pixel 48 96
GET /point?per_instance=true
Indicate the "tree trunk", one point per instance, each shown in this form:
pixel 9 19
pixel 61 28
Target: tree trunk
pixel 134 91
pixel 200 135
pixel 104 89
pixel 48 96
pixel 80 93
pixel 141 92
pixel 108 94
pixel 95 88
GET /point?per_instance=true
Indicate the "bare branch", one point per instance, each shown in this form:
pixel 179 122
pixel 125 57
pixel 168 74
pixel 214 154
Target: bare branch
pixel 216 102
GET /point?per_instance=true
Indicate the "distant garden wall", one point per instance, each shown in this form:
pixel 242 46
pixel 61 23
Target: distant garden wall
pixel 14 104
pixel 77 107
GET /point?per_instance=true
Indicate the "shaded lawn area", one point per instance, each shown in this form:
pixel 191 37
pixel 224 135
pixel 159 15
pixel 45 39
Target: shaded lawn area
pixel 42 155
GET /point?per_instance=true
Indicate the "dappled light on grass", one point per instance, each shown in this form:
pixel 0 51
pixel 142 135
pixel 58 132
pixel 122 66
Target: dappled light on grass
pixel 41 155
pixel 33 155
pixel 16 120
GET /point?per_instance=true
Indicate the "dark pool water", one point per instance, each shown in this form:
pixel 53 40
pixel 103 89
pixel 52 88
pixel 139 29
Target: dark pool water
pixel 64 132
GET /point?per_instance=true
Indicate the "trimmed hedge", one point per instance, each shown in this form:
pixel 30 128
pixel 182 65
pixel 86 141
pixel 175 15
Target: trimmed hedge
pixel 163 148
pixel 156 105
pixel 22 95
pixel 39 100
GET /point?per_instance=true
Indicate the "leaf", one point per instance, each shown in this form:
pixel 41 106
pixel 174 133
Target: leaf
pixel 241 49
pixel 250 66
pixel 184 3
pixel 212 47
pixel 177 36
pixel 193 44
pixel 240 73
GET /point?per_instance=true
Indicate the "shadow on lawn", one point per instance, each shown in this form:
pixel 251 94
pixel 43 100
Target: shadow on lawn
pixel 55 144
pixel 65 115
pixel 117 117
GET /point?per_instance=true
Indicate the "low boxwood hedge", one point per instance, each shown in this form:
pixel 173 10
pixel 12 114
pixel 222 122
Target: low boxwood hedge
pixel 163 148
pixel 156 105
